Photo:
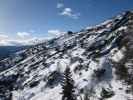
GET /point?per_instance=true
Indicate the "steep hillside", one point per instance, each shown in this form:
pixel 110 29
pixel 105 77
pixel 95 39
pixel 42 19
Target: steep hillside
pixel 100 59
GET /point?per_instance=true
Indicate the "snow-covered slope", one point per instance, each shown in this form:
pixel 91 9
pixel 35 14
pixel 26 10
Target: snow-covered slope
pixel 100 59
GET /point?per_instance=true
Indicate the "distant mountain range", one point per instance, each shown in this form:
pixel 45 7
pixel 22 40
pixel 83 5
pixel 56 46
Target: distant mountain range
pixel 6 51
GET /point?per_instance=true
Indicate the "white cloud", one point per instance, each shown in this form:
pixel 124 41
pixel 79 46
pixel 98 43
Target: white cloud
pixel 27 38
pixel 76 15
pixel 3 36
pixel 3 39
pixel 60 5
pixel 55 32
pixel 69 12
pixel 22 38
pixel 23 34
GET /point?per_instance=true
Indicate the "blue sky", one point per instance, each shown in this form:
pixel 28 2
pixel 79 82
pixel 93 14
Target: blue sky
pixel 45 18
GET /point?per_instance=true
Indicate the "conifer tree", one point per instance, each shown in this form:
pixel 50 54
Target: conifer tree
pixel 68 86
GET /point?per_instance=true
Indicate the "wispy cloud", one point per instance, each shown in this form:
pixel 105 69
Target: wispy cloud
pixel 23 34
pixel 5 40
pixel 55 32
pixel 3 36
pixel 60 5
pixel 22 38
pixel 65 11
pixel 69 12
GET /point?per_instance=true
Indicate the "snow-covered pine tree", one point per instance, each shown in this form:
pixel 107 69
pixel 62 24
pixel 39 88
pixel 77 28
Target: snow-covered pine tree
pixel 68 86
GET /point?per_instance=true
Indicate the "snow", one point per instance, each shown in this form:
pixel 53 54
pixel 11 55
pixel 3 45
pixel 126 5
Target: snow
pixel 119 89
pixel 122 28
pixel 78 52
pixel 49 94
pixel 119 55
pixel 89 27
